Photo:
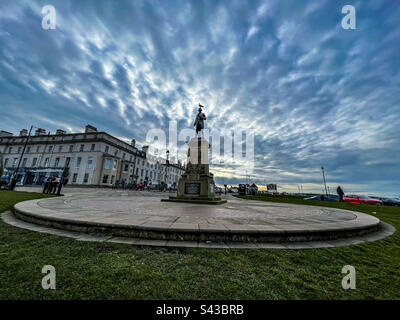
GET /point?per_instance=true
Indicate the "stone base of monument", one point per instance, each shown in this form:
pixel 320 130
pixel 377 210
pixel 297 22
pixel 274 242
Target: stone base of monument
pixel 215 200
pixel 136 218
pixel 197 183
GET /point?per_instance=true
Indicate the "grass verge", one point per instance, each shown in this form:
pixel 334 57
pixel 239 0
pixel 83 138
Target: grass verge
pixel 94 270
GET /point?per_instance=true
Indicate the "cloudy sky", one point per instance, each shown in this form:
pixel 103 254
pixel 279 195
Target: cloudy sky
pixel 313 93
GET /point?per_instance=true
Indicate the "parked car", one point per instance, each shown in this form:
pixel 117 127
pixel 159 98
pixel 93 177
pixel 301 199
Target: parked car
pixel 353 198
pixel 388 201
pixel 320 198
pixel 218 190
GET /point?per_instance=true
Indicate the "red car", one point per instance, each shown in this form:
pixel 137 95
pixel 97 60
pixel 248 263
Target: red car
pixel 353 198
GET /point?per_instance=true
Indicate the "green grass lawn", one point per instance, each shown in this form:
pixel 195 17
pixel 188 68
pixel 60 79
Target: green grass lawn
pixel 93 270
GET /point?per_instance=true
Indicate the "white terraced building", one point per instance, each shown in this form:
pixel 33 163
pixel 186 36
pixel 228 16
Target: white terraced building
pixel 89 158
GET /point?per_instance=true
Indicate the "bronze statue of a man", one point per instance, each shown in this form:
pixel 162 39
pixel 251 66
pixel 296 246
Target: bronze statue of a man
pixel 199 122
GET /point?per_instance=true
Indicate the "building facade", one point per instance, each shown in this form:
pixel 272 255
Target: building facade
pixel 89 158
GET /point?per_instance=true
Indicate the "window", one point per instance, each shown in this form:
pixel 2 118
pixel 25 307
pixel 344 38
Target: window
pixel 123 155
pixel 46 162
pixel 115 165
pixel 82 147
pixel 106 151
pixel 60 148
pixel 105 178
pixel 34 162
pixel 38 149
pixel 74 177
pixel 90 162
pixel 9 149
pixel 130 158
pixel 5 162
pixel 137 171
pixel 57 162
pixel 112 180
pixel 15 162
pixel 71 148
pixel 19 149
pixel 24 162
pixel 126 166
pixel 92 147
pixel 28 150
pixel 141 172
pixel 108 164
pixel 116 152
pixel 50 148
pixel 86 178
pixel 78 162
pixel 67 161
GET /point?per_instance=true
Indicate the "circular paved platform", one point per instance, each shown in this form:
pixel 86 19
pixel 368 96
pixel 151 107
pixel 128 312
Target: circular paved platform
pixel 141 215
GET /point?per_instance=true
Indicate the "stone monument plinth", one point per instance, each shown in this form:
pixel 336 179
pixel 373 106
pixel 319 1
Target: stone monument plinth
pixel 197 183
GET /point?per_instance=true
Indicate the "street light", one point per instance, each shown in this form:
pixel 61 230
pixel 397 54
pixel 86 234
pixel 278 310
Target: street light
pixel 14 180
pixel 323 175
pixel 166 168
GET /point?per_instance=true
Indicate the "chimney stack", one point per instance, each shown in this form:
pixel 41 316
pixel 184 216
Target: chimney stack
pixel 89 128
pixel 133 143
pixel 40 132
pixel 60 132
pixel 23 133
pixel 145 149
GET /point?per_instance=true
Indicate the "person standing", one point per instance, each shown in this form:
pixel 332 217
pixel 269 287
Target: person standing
pixel 340 192
pixel 46 184
pixel 60 184
pixel 51 184
pixel 55 184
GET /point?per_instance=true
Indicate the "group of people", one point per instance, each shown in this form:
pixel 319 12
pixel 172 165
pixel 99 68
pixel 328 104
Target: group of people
pixel 142 186
pixel 123 185
pixel 52 185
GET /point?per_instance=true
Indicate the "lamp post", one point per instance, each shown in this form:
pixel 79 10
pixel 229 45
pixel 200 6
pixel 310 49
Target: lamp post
pixel 166 168
pixel 14 180
pixel 323 175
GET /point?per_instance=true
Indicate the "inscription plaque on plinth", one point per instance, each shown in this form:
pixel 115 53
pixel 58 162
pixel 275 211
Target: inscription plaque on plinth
pixel 192 188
